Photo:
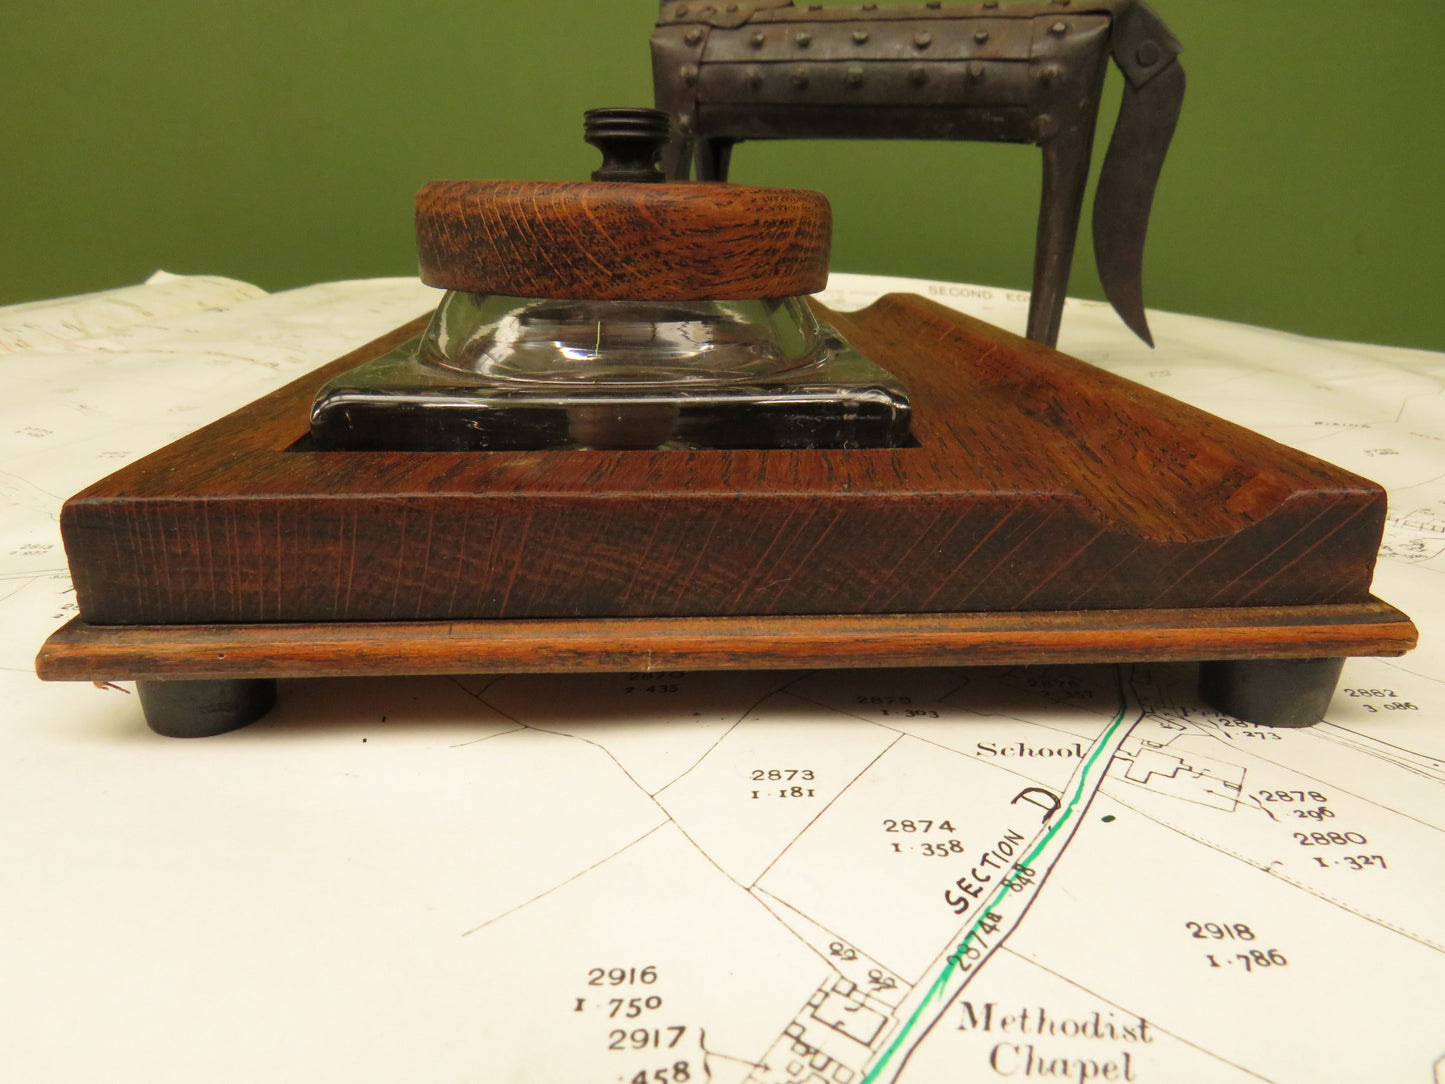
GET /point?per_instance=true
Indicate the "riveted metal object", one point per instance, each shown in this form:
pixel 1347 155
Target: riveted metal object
pixel 1026 72
pixel 881 40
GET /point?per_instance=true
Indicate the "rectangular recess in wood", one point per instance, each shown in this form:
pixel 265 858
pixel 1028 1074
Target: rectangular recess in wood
pixel 1039 483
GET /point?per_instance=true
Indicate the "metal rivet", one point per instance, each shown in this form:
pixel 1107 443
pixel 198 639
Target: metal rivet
pixel 753 78
pixel 688 73
pixel 693 36
pixel 854 76
pixel 1058 28
pixel 800 77
pixel 922 39
pixel 757 40
pixel 980 36
pixel 706 9
pixel 918 74
pixel 1148 53
pixel 679 12
pixel 1048 73
pixel 860 36
pixel 803 38
pixel 976 70
pixel 684 124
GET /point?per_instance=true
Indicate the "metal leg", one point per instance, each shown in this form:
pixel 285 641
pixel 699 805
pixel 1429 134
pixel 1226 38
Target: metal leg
pixel 713 158
pixel 199 709
pixel 1272 692
pixel 1066 173
pixel 676 160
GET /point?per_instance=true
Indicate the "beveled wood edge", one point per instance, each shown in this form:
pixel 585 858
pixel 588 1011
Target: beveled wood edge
pixel 84 652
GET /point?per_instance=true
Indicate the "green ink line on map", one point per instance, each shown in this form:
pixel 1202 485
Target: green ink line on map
pixel 941 983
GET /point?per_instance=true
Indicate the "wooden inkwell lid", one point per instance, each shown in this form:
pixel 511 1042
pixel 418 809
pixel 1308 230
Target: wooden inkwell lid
pixel 625 235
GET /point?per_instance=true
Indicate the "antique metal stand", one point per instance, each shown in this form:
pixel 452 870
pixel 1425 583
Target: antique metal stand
pixel 1029 71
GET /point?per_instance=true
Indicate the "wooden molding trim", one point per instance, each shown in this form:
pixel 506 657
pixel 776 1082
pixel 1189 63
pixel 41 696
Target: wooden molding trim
pixel 81 652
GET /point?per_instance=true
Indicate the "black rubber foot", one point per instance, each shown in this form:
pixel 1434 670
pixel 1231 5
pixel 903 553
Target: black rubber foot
pixel 199 709
pixel 1272 692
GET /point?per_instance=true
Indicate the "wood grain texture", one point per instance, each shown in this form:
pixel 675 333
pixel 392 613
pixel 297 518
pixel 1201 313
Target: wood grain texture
pixel 610 240
pixel 79 651
pixel 1040 483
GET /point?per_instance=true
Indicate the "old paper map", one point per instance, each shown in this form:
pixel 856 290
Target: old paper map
pixel 1000 875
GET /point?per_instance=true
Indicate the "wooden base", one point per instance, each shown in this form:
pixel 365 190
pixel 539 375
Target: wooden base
pixel 180 667
pixel 1049 512
pixel 1037 483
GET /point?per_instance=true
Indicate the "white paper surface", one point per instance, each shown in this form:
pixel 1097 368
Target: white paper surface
pixel 674 878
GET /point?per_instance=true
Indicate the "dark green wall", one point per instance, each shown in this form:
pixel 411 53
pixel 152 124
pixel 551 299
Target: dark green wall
pixel 281 143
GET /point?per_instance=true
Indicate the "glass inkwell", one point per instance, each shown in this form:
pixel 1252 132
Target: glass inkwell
pixel 624 313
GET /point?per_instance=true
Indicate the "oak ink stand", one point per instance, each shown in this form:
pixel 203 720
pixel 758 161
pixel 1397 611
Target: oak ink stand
pixel 1040 510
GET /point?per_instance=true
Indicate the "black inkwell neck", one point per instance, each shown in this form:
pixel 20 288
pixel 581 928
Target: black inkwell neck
pixel 631 142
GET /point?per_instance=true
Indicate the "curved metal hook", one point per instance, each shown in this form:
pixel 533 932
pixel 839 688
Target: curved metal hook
pixel 1153 94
